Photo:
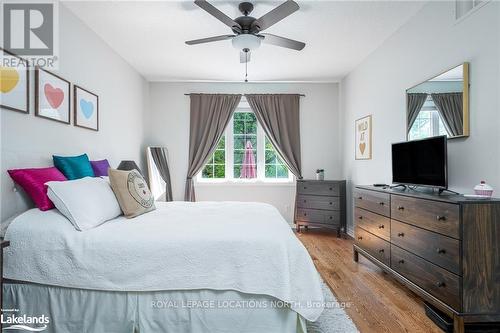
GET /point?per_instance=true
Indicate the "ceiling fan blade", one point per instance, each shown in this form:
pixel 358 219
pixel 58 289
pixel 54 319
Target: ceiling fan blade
pixel 283 42
pixel 209 8
pixel 245 56
pixel 277 14
pixel 209 39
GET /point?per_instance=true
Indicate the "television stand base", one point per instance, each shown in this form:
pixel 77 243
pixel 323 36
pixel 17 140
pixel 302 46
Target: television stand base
pixel 398 185
pixel 441 190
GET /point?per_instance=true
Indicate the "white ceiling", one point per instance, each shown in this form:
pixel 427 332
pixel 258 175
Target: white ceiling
pixel 150 35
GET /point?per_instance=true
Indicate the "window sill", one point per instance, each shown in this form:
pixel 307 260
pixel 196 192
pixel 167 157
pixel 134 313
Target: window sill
pixel 211 183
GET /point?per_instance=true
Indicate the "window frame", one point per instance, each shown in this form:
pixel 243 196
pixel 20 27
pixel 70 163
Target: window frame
pixel 229 160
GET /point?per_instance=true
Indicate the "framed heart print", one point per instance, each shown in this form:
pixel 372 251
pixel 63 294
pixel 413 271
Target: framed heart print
pixel 86 108
pixel 363 140
pixel 14 82
pixel 52 99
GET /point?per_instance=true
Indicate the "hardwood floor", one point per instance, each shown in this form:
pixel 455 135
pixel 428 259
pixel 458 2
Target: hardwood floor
pixel 376 302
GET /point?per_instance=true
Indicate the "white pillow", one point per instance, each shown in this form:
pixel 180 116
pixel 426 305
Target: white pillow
pixel 86 202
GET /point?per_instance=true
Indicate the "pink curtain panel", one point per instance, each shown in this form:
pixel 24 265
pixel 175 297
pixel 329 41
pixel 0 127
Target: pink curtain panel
pixel 249 168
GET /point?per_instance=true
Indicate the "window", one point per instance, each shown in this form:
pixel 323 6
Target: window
pixel 215 168
pixel 245 153
pixel 428 122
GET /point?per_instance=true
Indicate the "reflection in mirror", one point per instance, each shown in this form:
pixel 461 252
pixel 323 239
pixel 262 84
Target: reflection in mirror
pixel 439 106
pixel 159 173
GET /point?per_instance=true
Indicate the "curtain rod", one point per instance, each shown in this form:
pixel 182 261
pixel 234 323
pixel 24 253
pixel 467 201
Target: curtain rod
pixel 301 95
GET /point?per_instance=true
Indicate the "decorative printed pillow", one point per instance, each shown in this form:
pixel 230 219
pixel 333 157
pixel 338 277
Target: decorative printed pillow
pixel 33 183
pixel 74 167
pixel 132 192
pixel 100 167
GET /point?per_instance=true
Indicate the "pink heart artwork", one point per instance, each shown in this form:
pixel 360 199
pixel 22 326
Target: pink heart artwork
pixel 55 96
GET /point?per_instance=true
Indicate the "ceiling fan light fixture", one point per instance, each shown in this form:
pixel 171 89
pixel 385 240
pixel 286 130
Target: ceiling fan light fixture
pixel 246 41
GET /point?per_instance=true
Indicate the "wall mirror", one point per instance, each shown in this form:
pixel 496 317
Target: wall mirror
pixel 439 106
pixel 159 173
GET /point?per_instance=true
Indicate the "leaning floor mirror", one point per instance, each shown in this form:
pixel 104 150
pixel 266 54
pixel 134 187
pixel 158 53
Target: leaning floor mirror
pixel 159 173
pixel 439 106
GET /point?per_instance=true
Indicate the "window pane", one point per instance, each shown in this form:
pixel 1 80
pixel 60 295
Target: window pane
pixel 241 140
pixel 222 143
pixel 237 170
pixel 219 157
pixel 219 171
pixel 282 171
pixel 239 116
pixel 270 157
pixel 251 127
pixel 239 127
pixel 271 171
pixel 238 156
pixel 208 171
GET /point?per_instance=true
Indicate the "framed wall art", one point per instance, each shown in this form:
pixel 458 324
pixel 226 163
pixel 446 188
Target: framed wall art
pixel 14 82
pixel 52 96
pixel 363 140
pixel 86 108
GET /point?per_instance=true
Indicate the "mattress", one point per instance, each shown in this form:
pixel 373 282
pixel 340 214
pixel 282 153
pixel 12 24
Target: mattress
pixel 243 247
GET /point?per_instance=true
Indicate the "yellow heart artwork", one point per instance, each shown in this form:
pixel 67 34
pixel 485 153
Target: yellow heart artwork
pixel 9 78
pixel 362 147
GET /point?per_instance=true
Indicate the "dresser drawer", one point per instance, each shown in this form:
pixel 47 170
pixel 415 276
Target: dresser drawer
pixel 318 202
pixel 319 188
pixel 438 249
pixel 376 202
pixel 376 224
pixel 318 216
pixel 431 215
pixel 376 246
pixel 433 279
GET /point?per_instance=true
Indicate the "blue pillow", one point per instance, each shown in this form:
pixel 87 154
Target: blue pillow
pixel 74 167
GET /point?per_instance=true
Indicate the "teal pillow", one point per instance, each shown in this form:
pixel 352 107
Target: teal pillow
pixel 74 167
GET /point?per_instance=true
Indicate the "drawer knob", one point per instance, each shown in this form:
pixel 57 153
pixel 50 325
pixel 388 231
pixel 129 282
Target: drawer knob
pixel 440 251
pixel 441 284
pixel 330 188
pixel 331 203
pixel 305 187
pixel 360 238
pixel 381 203
pixel 401 261
pixel 401 208
pixel 331 217
pixel 401 234
pixel 360 217
pixel 381 226
pixel 360 198
pixel 381 251
pixel 305 201
pixel 441 218
pixel 305 214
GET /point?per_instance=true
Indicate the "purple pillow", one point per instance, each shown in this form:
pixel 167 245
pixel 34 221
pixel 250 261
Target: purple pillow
pixel 33 183
pixel 100 167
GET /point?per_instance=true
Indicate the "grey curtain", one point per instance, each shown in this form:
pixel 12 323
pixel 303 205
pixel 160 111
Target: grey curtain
pixel 210 115
pixel 450 107
pixel 279 117
pixel 414 103
pixel 159 156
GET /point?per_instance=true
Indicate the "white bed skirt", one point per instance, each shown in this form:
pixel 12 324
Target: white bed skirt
pixel 195 311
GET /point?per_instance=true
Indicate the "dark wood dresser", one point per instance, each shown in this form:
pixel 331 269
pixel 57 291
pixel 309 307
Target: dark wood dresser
pixel 321 203
pixel 444 248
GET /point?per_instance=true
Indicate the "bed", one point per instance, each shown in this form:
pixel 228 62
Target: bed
pixel 185 267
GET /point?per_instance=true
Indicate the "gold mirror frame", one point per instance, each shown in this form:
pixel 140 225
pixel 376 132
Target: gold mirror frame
pixel 466 86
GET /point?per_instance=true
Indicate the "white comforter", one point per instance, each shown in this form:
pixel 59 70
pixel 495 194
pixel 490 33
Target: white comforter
pixel 247 247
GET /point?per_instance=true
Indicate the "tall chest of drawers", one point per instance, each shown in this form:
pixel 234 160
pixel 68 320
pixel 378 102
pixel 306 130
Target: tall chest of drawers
pixel 321 203
pixel 444 248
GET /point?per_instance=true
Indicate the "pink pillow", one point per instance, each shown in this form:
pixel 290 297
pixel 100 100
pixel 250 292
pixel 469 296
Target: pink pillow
pixel 33 183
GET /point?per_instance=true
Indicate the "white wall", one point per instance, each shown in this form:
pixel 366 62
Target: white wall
pixel 168 125
pixel 29 141
pixel 428 44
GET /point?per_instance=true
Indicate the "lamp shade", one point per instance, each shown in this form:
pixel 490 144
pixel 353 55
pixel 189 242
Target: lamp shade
pixel 246 41
pixel 129 165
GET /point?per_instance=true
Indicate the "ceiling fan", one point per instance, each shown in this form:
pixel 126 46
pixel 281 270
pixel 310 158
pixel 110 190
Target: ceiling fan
pixel 247 30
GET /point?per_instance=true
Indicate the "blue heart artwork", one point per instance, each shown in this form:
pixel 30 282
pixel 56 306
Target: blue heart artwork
pixel 87 108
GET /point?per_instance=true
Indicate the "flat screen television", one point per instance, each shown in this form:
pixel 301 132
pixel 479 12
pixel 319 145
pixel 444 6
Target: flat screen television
pixel 421 162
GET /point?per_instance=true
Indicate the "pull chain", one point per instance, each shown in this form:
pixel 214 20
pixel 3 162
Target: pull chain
pixel 246 64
